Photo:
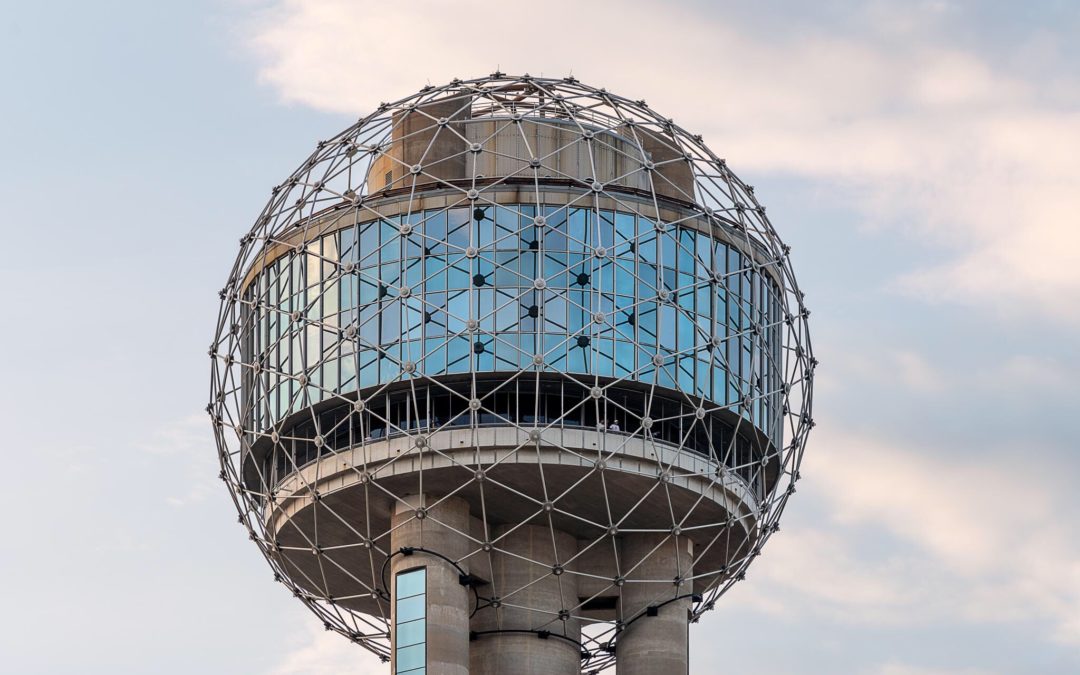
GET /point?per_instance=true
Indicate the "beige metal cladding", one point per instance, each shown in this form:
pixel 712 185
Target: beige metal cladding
pixel 496 147
pixel 419 139
pixel 506 148
pixel 673 176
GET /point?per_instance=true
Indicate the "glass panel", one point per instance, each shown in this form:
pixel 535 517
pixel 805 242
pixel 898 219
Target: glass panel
pixel 578 233
pixel 458 230
pixel 411 633
pixel 409 658
pixel 411 609
pixel 555 232
pixel 435 230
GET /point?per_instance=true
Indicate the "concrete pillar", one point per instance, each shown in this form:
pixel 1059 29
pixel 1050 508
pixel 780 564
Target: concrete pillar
pixel 448 602
pixel 520 583
pixel 654 644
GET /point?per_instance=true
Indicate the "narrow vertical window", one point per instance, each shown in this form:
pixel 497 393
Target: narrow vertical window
pixel 410 622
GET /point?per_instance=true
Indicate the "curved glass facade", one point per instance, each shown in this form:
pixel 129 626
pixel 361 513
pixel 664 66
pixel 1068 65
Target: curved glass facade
pixel 495 288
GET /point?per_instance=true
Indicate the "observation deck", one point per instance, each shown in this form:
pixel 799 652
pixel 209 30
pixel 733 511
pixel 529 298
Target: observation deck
pixel 514 369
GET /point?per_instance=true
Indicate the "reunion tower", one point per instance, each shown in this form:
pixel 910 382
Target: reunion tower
pixel 512 376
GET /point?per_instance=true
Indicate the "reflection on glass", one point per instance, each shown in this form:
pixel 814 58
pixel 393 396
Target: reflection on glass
pixel 346 310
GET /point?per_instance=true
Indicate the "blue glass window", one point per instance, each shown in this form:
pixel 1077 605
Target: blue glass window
pixel 410 622
pixel 514 321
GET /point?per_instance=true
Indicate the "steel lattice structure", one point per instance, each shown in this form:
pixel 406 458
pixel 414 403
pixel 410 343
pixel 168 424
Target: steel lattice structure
pixel 534 299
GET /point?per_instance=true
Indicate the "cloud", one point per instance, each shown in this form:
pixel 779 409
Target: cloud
pixel 976 163
pixel 904 669
pixel 857 364
pixel 184 449
pixel 1028 373
pixel 323 652
pixel 976 541
pixel 884 366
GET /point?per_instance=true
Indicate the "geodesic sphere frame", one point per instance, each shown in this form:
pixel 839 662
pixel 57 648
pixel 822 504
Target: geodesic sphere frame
pixel 525 253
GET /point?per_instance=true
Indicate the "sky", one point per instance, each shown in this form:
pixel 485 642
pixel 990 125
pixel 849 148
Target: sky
pixel 921 158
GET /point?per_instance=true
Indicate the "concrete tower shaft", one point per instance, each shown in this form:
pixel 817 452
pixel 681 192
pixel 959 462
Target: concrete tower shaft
pixel 512 376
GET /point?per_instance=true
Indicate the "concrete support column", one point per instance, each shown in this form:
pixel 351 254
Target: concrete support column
pixel 654 644
pixel 447 602
pixel 523 576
